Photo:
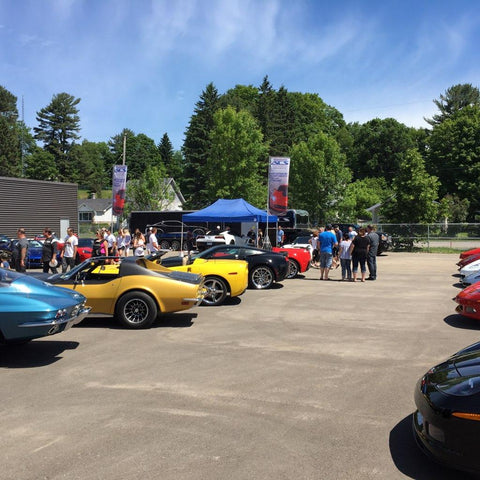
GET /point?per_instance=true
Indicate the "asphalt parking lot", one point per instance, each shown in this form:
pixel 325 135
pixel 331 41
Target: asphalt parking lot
pixel 310 380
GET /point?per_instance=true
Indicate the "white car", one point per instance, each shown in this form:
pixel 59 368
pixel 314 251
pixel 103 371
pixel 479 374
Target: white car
pixel 303 241
pixel 470 268
pixel 222 238
pixel 474 277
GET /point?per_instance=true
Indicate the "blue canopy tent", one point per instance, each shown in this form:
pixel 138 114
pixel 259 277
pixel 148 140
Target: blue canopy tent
pixel 236 210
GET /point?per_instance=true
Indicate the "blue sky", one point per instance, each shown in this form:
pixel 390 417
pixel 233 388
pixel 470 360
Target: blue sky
pixel 143 64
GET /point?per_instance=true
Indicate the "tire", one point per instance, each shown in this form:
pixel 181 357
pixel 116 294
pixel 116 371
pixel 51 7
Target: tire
pixel 261 277
pixel 164 245
pixel 136 310
pixel 198 231
pixel 218 291
pixel 175 245
pixel 293 268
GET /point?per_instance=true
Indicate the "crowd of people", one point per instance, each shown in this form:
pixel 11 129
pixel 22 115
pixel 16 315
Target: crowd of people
pixel 352 251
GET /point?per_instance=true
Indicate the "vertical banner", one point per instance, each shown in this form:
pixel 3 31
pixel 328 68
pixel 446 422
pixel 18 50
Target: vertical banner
pixel 278 171
pixel 119 183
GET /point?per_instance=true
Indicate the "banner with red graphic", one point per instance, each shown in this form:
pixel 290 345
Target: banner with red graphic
pixel 119 184
pixel 278 171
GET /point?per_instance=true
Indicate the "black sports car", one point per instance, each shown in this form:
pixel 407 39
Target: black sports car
pixel 264 268
pixel 447 422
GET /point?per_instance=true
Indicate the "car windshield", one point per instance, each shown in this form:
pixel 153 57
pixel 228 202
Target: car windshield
pixel 85 242
pixel 301 240
pixel 34 244
pixel 8 276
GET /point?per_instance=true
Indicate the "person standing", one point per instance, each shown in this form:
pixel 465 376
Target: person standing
pixel 345 257
pixel 351 232
pixel 112 243
pixel 189 241
pixel 100 245
pixel 120 243
pixel 127 240
pixel 372 252
pixel 20 252
pixel 280 236
pixel 359 250
pixel 152 241
pixel 69 250
pixel 327 241
pixel 49 252
pixel 138 244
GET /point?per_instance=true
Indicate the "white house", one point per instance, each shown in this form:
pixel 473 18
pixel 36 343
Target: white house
pixel 95 210
pixel 172 190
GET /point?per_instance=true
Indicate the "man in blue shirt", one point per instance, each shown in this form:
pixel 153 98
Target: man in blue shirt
pixel 280 236
pixel 327 241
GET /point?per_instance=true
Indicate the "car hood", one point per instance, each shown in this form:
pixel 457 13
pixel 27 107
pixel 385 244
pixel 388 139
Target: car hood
pixel 471 267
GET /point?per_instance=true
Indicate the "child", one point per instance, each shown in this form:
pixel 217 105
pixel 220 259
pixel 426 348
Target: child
pixel 4 261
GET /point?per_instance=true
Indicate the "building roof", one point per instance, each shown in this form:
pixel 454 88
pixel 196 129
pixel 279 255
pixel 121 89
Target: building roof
pixel 95 204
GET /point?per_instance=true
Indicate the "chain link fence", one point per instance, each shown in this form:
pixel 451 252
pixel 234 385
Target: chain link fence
pixel 409 236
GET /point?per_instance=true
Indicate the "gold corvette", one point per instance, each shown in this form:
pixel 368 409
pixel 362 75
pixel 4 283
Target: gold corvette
pixel 222 277
pixel 130 292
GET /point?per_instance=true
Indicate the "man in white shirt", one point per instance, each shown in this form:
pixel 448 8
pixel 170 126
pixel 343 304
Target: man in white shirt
pixel 152 241
pixel 69 250
pixel 112 243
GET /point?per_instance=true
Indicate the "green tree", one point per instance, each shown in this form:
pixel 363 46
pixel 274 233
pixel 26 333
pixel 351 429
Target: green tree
pixel 241 97
pixel 236 148
pixel 359 196
pixel 318 176
pixel 196 148
pixel 173 161
pixel 453 209
pixel 454 155
pixel 10 152
pixel 41 165
pixel 141 152
pixel 92 159
pixel 456 97
pixel 379 146
pixel 148 192
pixel 415 193
pixel 58 127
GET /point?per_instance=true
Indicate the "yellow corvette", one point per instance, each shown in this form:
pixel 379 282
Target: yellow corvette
pixel 129 291
pixel 222 277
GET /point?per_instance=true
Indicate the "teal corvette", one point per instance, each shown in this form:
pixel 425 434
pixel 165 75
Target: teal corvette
pixel 30 308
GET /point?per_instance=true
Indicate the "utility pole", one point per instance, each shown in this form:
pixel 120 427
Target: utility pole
pixel 124 148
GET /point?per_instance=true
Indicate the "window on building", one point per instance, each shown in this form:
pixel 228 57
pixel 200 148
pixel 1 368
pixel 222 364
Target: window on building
pixel 85 216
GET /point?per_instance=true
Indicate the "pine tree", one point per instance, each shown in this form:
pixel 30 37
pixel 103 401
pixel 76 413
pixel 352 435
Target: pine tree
pixel 196 148
pixel 58 129
pixel 10 152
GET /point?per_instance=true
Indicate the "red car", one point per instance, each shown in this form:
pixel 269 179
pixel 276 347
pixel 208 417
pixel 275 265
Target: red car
pixel 467 260
pixel 467 253
pixel 84 249
pixel 279 199
pixel 469 301
pixel 298 259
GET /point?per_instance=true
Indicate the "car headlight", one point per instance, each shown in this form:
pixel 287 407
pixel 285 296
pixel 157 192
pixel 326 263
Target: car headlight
pixel 461 386
pixel 61 313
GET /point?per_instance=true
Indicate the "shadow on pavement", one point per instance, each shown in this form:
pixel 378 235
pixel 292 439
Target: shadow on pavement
pixel 37 353
pixel 458 321
pixel 411 461
pixel 172 320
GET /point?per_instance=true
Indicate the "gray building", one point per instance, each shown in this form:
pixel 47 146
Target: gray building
pixel 36 204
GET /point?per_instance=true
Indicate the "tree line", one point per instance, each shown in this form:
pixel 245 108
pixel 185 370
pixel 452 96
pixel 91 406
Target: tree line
pixel 337 170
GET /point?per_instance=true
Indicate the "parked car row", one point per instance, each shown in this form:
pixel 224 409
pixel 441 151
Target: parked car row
pixel 446 423
pixel 135 290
